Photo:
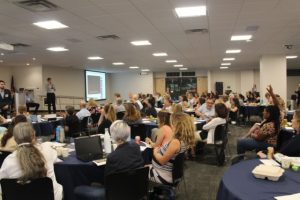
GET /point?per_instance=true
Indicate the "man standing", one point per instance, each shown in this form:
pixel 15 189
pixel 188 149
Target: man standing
pixel 5 99
pixel 50 88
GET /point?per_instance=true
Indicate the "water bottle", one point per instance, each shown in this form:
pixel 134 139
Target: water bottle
pixel 57 135
pixel 107 142
pixel 62 135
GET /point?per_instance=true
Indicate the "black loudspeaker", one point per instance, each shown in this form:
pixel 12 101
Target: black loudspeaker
pixel 219 88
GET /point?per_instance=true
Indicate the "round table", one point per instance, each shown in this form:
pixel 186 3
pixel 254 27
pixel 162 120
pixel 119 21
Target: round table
pixel 238 183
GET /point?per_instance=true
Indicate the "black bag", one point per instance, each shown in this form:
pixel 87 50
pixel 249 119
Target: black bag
pixel 162 192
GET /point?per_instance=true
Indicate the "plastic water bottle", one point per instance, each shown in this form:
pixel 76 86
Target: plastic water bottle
pixel 61 134
pixel 107 142
pixel 57 131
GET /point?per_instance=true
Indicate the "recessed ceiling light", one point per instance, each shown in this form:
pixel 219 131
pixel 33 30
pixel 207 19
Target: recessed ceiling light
pixel 179 65
pixel 233 51
pixel 27 64
pixel 134 67
pixel 241 37
pixel 225 64
pixel 171 61
pixel 223 67
pixel 194 11
pixel 160 54
pixel 1 61
pixel 145 70
pixel 118 63
pixel 33 59
pixel 2 54
pixel 140 43
pixel 95 58
pixel 57 49
pixel 291 57
pixel 184 68
pixel 51 24
pixel 228 59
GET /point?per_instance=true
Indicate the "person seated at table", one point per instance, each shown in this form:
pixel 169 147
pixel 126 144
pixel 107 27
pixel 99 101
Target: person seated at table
pixel 262 135
pixel 268 98
pixel 30 161
pixel 108 116
pixel 117 97
pixel 233 111
pixel 209 128
pixel 127 155
pixel 191 100
pixel 30 102
pixel 148 107
pixel 250 98
pixel 119 107
pixel 167 103
pixel 92 106
pixel 207 110
pixel 8 142
pixel 158 100
pixel 183 101
pixel 163 157
pixel 241 99
pixel 83 112
pixel 132 115
pixel 291 147
pixel 176 108
pixel 164 134
pixel 135 100
pixel 71 122
pixel 199 102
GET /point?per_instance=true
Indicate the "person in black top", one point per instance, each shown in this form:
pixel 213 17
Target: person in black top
pixel 298 96
pixel 127 155
pixel 72 123
pixel 5 99
pixel 148 107
pixel 108 116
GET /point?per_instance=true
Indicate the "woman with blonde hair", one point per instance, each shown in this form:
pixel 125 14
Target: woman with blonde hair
pixel 132 115
pixel 177 108
pixel 164 156
pixel 30 161
pixel 108 116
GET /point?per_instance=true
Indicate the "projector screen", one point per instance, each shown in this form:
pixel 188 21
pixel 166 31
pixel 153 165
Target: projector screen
pixel 95 85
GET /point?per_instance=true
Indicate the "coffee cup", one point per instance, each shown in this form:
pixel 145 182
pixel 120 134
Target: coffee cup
pixel 286 162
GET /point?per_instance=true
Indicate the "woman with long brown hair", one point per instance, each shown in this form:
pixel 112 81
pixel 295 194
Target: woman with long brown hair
pixel 132 115
pixel 108 116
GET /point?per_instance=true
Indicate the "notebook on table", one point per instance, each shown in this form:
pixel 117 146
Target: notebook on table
pixel 88 148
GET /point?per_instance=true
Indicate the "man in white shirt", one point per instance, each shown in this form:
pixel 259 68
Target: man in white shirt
pixel 83 111
pixel 207 110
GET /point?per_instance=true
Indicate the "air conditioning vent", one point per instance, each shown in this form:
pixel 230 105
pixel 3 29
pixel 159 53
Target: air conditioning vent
pixel 252 28
pixel 74 40
pixel 105 37
pixel 188 74
pixel 197 30
pixel 172 74
pixel 20 45
pixel 37 5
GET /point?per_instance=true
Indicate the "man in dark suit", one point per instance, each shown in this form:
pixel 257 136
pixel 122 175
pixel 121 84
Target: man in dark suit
pixel 5 99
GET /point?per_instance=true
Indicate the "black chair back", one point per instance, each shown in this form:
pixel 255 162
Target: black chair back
pixel 131 184
pixel 120 115
pixel 178 167
pixel 3 155
pixel 220 133
pixel 38 189
pixel 138 130
pixel 84 125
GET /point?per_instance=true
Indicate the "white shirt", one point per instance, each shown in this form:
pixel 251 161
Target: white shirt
pixel 140 104
pixel 211 126
pixel 83 113
pixel 11 168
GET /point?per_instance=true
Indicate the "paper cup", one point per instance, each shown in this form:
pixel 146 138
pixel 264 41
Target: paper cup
pixel 65 152
pixel 286 162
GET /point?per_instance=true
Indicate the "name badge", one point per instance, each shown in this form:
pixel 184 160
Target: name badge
pixel 6 95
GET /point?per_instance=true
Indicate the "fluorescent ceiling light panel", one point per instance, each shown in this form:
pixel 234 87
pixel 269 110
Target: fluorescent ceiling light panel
pixel 160 54
pixel 145 70
pixel 223 67
pixel 291 57
pixel 6 46
pixel 171 61
pixel 51 24
pixel 233 51
pixel 134 67
pixel 194 11
pixel 241 37
pixel 183 69
pixel 57 49
pixel 118 63
pixel 95 58
pixel 225 64
pixel 141 43
pixel 179 65
pixel 228 59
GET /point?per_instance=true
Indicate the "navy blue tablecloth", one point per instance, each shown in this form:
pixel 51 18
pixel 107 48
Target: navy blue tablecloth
pixel 238 183
pixel 46 128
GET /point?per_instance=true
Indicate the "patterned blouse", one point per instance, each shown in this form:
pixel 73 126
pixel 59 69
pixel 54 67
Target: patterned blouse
pixel 268 129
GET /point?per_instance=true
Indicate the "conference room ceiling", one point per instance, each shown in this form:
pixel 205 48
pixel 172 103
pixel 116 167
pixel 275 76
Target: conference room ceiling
pixel 277 23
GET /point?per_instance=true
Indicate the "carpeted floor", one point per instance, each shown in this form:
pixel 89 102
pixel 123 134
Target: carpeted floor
pixel 202 175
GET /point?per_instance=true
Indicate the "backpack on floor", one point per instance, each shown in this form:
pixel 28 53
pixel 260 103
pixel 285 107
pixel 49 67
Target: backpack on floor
pixel 162 192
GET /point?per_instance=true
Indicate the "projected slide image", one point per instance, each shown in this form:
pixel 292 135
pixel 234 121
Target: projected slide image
pixel 95 85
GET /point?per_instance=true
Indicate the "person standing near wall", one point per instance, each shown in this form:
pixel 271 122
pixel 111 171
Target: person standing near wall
pixel 50 88
pixel 298 96
pixel 5 100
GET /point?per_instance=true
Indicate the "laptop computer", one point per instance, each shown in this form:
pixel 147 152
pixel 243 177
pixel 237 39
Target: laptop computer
pixel 88 148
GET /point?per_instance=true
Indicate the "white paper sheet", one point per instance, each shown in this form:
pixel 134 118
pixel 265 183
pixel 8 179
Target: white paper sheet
pixel 269 162
pixel 289 197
